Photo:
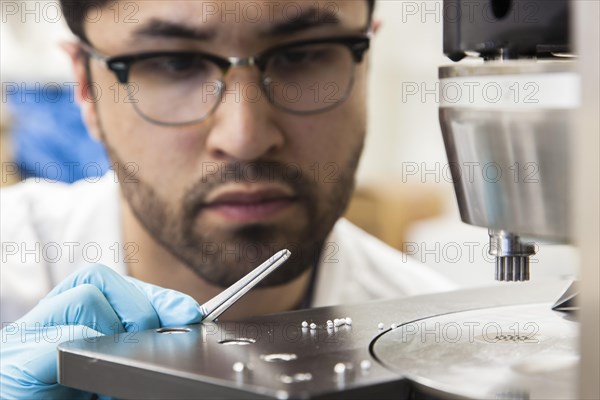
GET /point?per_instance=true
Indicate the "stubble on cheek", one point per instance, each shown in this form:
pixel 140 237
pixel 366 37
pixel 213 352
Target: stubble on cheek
pixel 223 254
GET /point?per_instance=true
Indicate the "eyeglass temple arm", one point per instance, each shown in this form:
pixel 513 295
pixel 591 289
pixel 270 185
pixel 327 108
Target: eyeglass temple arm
pixel 121 70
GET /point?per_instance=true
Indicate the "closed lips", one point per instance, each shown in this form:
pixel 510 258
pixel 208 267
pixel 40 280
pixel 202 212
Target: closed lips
pixel 249 198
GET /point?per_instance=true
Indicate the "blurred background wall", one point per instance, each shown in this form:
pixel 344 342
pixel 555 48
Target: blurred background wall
pixel 404 194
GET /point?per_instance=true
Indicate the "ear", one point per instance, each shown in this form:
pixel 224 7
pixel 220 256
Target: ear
pixel 84 90
pixel 375 25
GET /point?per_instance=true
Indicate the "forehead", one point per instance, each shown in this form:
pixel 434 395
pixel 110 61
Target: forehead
pixel 131 22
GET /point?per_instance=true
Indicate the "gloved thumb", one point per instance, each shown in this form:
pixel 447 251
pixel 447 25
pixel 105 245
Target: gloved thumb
pixel 172 307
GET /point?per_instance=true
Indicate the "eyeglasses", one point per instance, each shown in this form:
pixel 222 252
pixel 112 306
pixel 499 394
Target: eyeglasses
pixel 181 88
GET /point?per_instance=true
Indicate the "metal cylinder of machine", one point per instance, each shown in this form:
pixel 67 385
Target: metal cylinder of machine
pixel 505 125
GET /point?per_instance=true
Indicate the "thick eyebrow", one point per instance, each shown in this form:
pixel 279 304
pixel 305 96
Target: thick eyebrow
pixel 166 29
pixel 309 18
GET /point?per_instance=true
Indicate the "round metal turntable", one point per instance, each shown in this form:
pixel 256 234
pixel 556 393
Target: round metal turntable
pixel 517 352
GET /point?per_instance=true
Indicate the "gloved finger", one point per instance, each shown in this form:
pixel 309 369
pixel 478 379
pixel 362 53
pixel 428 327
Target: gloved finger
pixel 29 367
pixel 82 305
pixel 130 304
pixel 172 307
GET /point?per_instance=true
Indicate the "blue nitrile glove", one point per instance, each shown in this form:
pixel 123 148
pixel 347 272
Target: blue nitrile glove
pixel 91 302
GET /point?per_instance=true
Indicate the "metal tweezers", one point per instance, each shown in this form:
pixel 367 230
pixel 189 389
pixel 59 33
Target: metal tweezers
pixel 216 306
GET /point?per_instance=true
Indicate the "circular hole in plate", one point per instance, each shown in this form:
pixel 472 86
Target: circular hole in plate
pixel 278 357
pixel 237 342
pixel 300 377
pixel 171 331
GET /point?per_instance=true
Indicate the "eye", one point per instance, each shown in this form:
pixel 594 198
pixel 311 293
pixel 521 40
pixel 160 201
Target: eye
pixel 294 57
pixel 299 57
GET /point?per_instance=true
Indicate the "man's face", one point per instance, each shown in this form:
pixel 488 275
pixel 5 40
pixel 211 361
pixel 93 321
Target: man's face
pixel 224 193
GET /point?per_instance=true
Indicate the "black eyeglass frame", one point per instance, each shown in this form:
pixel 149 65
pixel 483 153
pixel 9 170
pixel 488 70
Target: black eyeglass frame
pixel 120 65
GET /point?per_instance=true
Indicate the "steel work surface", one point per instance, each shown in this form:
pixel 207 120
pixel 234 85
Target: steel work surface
pixel 199 361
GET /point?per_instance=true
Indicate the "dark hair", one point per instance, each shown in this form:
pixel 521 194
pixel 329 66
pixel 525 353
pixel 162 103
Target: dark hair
pixel 75 11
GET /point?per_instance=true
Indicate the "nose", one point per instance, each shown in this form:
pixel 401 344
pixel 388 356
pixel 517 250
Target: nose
pixel 244 127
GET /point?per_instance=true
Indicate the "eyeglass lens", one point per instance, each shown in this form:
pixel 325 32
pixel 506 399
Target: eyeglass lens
pixel 185 87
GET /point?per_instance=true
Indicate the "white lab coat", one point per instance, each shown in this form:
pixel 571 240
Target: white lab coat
pixel 50 229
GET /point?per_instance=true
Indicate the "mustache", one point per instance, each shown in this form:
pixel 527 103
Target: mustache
pixel 216 174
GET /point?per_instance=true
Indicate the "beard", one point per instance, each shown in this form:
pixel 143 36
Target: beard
pixel 223 254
